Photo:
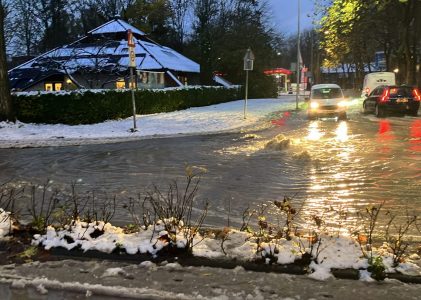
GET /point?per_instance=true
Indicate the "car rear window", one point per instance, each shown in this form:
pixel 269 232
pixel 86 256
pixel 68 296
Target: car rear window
pixel 326 93
pixel 401 91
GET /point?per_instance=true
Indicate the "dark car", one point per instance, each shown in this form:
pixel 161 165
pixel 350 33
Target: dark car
pixel 387 99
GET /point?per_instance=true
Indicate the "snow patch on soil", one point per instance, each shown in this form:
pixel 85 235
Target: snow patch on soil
pixel 5 223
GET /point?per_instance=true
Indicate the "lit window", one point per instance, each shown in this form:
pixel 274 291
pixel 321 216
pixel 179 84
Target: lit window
pixel 120 84
pixel 48 87
pixel 132 85
pixel 58 86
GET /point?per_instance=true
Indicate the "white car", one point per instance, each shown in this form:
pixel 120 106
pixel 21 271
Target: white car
pixel 327 100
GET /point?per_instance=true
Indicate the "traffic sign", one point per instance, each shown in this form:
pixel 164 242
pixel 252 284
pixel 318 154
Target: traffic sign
pixel 248 60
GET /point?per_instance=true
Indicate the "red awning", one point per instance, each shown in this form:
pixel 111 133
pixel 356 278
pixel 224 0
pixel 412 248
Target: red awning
pixel 278 71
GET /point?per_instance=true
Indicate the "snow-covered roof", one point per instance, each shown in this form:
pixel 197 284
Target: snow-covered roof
pixel 113 26
pixel 109 54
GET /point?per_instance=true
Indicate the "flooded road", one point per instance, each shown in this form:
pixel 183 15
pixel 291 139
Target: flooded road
pixel 327 167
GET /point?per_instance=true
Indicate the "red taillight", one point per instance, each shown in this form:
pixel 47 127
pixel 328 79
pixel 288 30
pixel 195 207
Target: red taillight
pixel 417 94
pixel 385 95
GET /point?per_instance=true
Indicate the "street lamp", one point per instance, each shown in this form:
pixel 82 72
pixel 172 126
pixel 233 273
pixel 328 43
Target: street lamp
pixel 248 66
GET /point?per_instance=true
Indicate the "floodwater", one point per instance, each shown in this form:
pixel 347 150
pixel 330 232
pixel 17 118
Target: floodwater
pixel 329 168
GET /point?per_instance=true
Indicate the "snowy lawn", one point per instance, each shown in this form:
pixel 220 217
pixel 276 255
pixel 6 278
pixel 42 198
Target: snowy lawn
pixel 214 118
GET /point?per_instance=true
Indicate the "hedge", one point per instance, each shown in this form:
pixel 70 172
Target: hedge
pixel 87 107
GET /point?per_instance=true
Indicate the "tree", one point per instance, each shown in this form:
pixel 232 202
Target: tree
pixel 26 27
pixel 179 10
pixel 204 25
pixel 354 30
pixel 6 108
pixel 152 17
pixel 222 32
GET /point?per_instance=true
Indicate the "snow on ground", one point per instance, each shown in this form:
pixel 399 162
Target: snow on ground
pixel 200 120
pixel 71 279
pixel 5 223
pixel 339 252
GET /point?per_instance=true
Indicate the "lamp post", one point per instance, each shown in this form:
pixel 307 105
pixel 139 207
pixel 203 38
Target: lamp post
pixel 298 57
pixel 248 66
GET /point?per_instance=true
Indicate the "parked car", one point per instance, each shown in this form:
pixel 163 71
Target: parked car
pixel 373 80
pixel 327 100
pixel 386 99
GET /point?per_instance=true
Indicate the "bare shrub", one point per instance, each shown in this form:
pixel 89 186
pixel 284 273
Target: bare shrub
pixel 368 219
pixel 43 201
pixel 396 235
pixel 173 209
pixel 96 211
pixel 8 197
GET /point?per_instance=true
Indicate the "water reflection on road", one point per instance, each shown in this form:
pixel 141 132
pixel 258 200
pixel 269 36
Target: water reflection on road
pixel 325 165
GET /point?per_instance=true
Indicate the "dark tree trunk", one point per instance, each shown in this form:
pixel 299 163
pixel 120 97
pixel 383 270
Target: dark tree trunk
pixel 6 109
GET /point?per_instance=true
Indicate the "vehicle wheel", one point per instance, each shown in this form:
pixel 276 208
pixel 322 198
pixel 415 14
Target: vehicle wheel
pixel 342 116
pixel 379 112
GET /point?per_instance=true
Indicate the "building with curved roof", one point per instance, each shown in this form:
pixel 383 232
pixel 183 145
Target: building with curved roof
pixel 100 60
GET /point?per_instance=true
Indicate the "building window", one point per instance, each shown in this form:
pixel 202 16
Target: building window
pixel 53 86
pixel 121 84
pixel 132 85
pixel 49 87
pixel 183 79
pixel 150 79
pixel 58 86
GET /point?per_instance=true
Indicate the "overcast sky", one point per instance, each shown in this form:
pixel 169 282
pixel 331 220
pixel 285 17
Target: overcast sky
pixel 285 14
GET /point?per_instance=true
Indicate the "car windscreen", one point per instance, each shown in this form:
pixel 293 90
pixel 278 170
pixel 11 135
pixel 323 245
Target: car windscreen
pixel 326 93
pixel 401 91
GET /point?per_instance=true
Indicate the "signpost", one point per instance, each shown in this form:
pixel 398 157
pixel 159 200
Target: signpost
pixel 132 65
pixel 248 66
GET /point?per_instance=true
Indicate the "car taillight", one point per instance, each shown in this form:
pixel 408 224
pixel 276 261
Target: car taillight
pixel 417 94
pixel 385 95
pixel 367 91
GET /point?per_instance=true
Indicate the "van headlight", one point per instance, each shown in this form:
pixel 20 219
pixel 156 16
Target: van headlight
pixel 343 104
pixel 314 105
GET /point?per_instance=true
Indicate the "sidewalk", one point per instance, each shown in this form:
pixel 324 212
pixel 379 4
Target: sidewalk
pixel 70 279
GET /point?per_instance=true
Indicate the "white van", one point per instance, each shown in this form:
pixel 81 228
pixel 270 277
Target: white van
pixel 373 80
pixel 327 100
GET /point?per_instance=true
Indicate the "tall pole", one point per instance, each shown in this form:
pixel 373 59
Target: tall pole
pixel 132 67
pixel 132 85
pixel 247 94
pixel 298 57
